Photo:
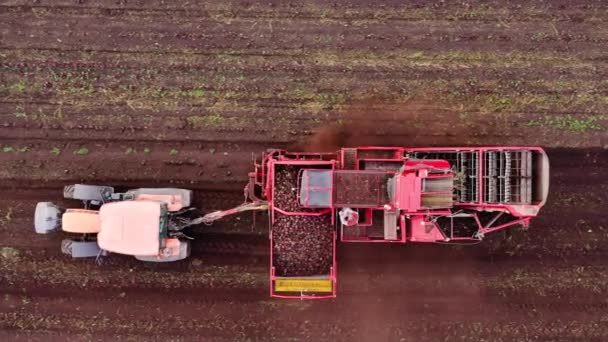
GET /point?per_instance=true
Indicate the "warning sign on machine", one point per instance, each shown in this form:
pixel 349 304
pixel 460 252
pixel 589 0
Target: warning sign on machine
pixel 302 285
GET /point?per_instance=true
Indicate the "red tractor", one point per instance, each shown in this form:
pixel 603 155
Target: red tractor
pixel 385 194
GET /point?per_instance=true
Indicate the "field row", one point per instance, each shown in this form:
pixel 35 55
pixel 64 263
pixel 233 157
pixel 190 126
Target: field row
pixel 342 10
pixel 575 30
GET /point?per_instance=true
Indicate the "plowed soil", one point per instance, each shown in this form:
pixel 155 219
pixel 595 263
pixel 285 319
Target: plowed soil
pixel 182 93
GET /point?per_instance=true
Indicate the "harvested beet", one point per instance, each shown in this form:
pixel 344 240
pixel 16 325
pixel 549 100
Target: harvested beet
pixel 360 188
pixel 285 188
pixel 302 245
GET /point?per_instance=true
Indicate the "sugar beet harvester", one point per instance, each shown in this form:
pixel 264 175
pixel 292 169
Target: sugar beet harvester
pixel 365 194
pixel 385 194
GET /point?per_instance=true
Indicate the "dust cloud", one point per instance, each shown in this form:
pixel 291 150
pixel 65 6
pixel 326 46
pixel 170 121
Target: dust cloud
pixel 417 122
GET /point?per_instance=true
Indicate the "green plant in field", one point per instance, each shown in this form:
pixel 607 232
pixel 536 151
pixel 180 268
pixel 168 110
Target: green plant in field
pixel 55 151
pixel 502 103
pixel 173 152
pixel 324 39
pixel 299 93
pixel 9 215
pixel 146 150
pixel 417 55
pixel 20 115
pixel 568 122
pixel 230 95
pixel 83 151
pixel 130 151
pixel 8 149
pixel 196 93
pixel 314 102
pixel 205 120
pixel 24 149
pixel 157 93
pixel 539 36
pixel 470 15
pixel 221 79
pixel 329 101
pixel 9 253
pixel 462 116
pixel 19 88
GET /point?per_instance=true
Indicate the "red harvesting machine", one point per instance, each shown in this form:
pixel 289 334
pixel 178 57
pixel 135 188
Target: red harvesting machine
pixel 385 194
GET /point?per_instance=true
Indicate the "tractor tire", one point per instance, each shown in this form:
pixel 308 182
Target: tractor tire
pixel 47 217
pixel 185 194
pixel 184 252
pixel 80 249
pixel 85 192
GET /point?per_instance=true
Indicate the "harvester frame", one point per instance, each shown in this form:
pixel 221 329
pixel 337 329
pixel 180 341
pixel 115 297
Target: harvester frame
pixel 436 195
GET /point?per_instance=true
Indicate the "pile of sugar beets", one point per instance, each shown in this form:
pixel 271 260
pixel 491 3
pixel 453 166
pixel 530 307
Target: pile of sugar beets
pixel 303 245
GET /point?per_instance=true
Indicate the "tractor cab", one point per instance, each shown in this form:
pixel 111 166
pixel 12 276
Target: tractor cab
pixel 138 228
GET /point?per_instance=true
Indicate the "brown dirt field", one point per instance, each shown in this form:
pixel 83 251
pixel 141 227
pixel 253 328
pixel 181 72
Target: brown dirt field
pixel 182 93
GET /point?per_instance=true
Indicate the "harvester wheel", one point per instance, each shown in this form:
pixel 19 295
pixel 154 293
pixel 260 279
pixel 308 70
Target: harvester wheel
pixel 86 192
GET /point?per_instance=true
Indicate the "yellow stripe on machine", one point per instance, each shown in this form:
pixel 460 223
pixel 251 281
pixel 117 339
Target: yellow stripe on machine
pixel 303 285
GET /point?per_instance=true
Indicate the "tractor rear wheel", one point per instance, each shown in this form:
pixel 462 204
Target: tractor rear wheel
pixel 86 192
pixel 184 194
pixel 184 252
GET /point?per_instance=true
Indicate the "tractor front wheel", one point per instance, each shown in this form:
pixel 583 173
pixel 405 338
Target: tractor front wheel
pixel 80 249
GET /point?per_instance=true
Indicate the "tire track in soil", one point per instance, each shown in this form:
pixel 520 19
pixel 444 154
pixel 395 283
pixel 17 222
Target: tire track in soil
pixel 130 302
pixel 112 66
pixel 243 25
pixel 167 34
pixel 288 11
pixel 420 288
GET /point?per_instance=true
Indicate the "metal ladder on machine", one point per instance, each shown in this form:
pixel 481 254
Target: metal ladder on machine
pixel 390 224
pixel 349 158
